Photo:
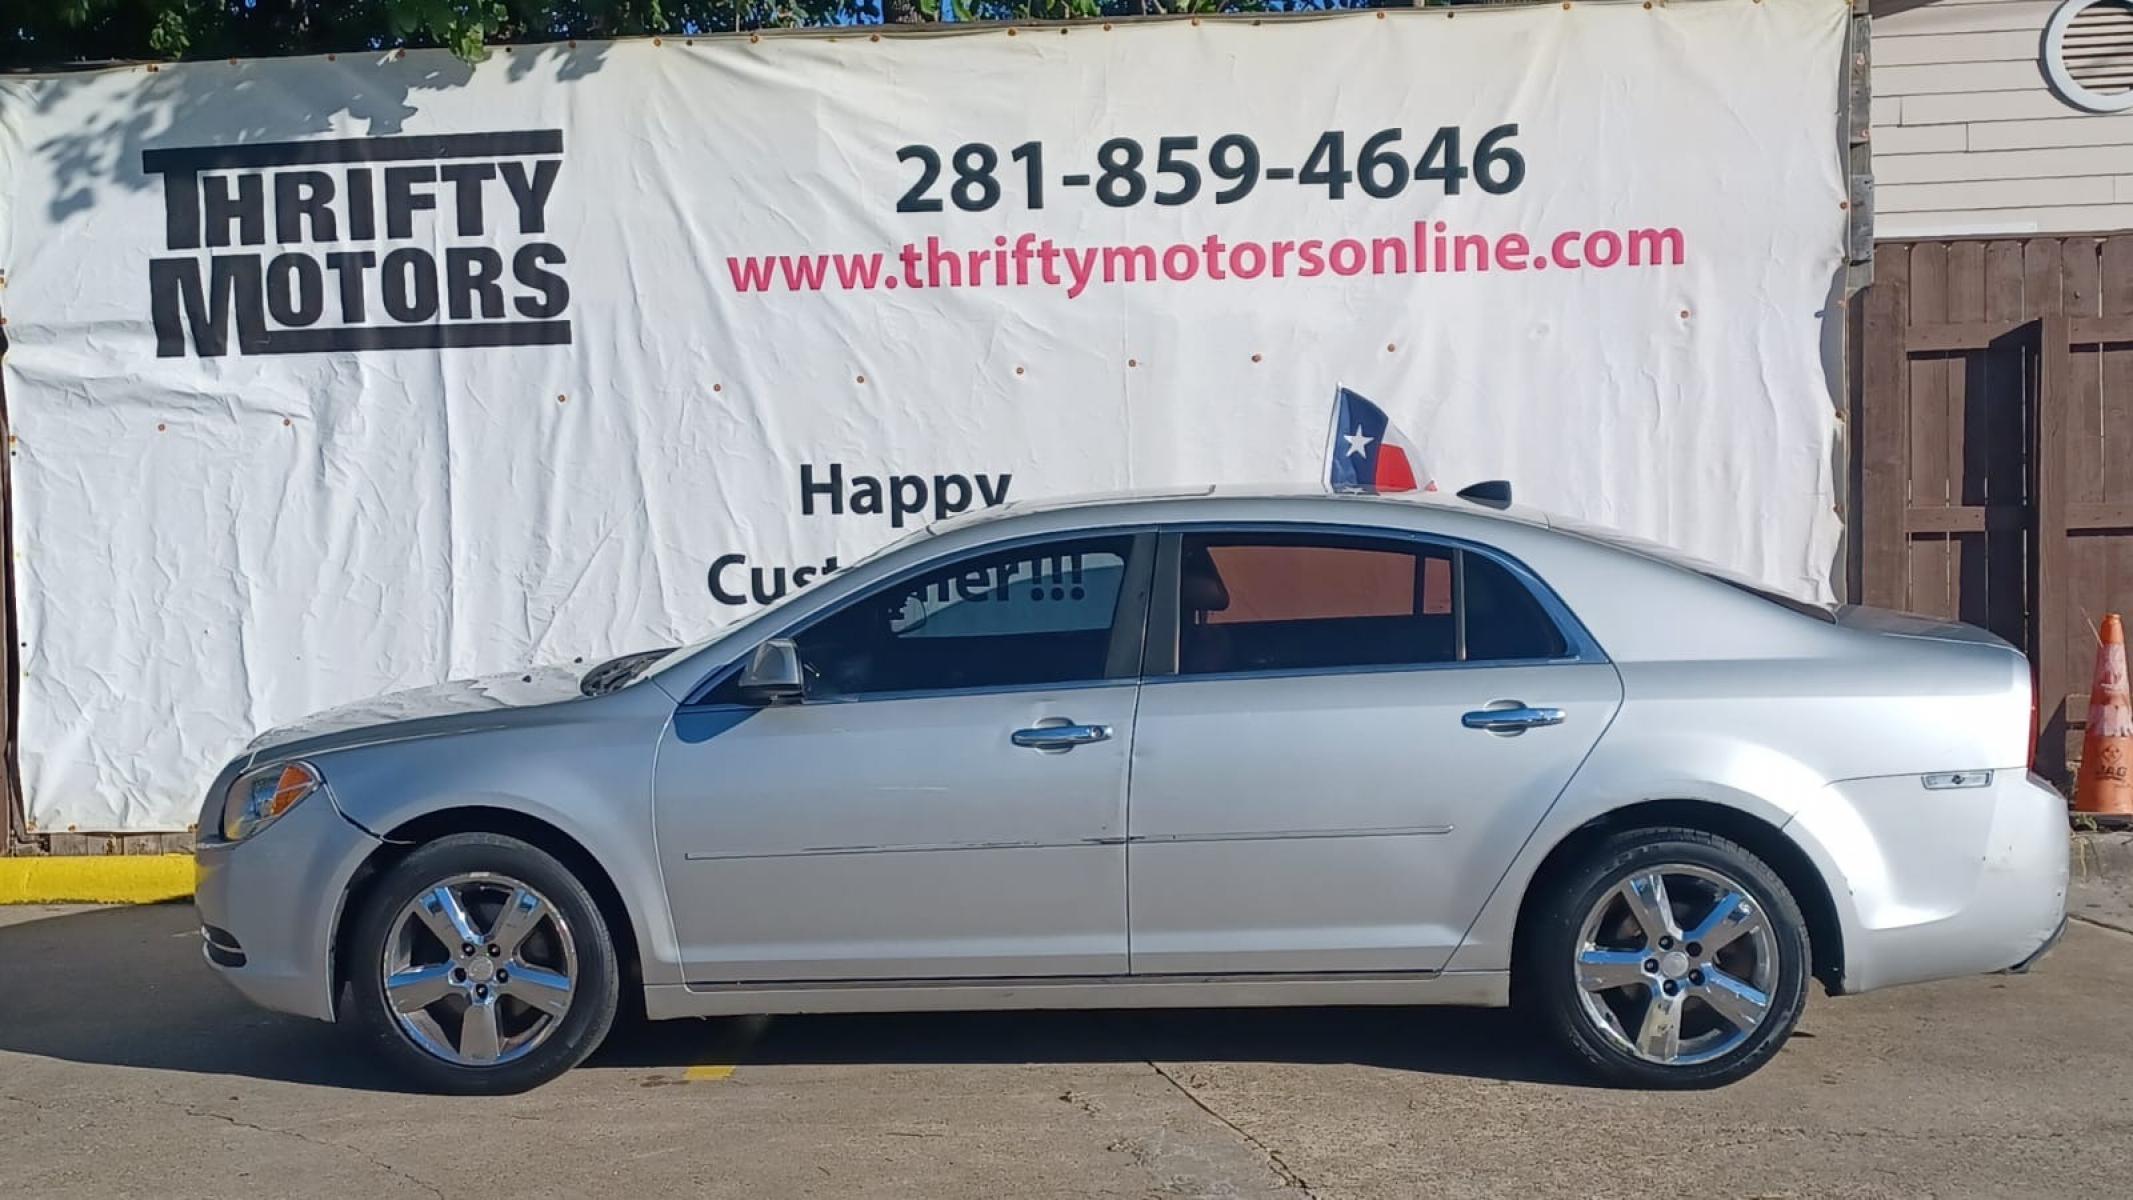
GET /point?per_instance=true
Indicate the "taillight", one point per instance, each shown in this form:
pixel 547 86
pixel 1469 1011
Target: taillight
pixel 2036 718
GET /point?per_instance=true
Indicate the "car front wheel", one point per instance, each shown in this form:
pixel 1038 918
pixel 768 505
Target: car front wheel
pixel 1669 958
pixel 482 966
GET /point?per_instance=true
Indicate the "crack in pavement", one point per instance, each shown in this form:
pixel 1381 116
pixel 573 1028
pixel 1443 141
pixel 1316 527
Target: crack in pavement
pixel 382 1165
pixel 2104 923
pixel 1289 1178
pixel 29 1103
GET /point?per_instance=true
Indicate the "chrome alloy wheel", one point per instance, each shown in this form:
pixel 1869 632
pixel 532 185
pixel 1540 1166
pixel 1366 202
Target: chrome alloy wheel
pixel 479 969
pixel 1676 964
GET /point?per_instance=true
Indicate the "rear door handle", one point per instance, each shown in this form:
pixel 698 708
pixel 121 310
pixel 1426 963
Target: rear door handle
pixel 1060 737
pixel 1512 720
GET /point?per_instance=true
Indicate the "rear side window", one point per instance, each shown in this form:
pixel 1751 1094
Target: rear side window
pixel 1260 602
pixel 1504 619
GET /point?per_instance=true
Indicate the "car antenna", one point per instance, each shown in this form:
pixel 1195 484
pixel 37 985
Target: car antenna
pixel 1491 493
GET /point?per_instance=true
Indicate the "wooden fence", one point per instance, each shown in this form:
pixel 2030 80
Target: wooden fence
pixel 1992 407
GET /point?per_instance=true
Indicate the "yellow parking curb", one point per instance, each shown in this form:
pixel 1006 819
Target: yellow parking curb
pixel 96 879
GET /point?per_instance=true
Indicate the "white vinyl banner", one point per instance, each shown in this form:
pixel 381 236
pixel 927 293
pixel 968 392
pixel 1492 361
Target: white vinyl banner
pixel 339 375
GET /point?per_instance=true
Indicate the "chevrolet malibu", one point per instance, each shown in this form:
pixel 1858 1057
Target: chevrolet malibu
pixel 1195 750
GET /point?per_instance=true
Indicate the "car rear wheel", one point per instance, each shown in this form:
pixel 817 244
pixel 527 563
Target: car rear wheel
pixel 482 966
pixel 1669 958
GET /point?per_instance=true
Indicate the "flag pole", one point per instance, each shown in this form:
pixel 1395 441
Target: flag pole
pixel 1333 433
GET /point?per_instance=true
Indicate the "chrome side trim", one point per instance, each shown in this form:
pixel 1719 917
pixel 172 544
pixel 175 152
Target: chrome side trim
pixel 922 848
pixel 1369 669
pixel 1282 835
pixel 1007 689
pixel 1153 838
pixel 1488 989
pixel 1021 981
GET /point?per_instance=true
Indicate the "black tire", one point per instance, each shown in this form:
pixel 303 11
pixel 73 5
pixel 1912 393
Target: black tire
pixel 594 991
pixel 1547 970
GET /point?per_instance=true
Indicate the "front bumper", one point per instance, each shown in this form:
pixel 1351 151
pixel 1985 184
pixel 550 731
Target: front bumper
pixel 1944 882
pixel 268 906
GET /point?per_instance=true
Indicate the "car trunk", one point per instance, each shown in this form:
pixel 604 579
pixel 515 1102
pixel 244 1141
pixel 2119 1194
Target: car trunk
pixel 1911 625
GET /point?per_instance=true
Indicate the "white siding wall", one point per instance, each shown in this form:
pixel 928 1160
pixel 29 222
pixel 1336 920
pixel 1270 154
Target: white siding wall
pixel 1968 139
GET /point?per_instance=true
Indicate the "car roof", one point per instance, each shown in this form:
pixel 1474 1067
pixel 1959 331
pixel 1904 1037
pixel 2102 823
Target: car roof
pixel 1179 500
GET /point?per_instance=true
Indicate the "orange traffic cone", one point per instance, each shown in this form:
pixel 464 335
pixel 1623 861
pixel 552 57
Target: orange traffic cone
pixel 2107 749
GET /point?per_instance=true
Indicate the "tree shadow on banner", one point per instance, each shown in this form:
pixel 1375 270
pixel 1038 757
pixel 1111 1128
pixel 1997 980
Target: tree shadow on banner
pixel 368 94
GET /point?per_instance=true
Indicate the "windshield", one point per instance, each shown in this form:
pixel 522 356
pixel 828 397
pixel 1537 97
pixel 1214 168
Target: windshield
pixel 1689 562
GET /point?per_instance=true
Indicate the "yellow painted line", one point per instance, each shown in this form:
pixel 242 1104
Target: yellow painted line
pixel 96 879
pixel 706 1074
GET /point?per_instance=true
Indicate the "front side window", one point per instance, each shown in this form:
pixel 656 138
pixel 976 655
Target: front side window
pixel 1281 602
pixel 1028 616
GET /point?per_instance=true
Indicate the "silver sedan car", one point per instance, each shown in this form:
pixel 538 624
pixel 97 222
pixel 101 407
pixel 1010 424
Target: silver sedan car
pixel 1208 749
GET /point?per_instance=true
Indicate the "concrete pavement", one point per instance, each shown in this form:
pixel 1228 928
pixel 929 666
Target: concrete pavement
pixel 126 1069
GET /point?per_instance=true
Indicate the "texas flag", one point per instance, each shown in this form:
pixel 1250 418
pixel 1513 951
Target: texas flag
pixel 1367 454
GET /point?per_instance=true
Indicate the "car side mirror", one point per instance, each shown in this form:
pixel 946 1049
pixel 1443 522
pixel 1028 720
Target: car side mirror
pixel 773 673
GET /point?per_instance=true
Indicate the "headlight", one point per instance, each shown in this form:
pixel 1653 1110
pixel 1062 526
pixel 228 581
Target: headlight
pixel 257 797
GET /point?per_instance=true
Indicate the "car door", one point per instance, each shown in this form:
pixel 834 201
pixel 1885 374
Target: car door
pixel 948 799
pixel 1343 739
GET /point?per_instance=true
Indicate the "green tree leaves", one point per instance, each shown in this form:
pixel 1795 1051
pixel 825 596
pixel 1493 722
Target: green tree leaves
pixel 61 33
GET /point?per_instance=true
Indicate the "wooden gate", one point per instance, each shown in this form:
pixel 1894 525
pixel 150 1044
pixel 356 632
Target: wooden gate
pixel 1992 403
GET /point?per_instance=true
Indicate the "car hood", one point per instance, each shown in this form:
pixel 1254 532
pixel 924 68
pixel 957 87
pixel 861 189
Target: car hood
pixel 487 694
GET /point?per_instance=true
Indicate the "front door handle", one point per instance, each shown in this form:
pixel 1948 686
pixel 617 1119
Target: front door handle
pixel 1060 737
pixel 1514 719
